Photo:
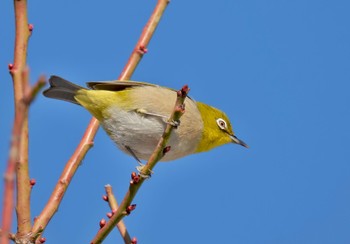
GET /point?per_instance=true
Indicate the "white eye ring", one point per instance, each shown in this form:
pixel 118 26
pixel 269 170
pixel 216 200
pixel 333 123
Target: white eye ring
pixel 221 123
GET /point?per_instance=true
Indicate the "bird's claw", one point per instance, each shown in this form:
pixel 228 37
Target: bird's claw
pixel 174 123
pixel 147 175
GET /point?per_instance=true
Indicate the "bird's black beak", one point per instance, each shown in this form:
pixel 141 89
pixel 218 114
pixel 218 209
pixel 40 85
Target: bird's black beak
pixel 239 142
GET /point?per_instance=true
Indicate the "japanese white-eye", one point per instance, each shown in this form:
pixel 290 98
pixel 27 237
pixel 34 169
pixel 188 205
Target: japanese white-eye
pixel 134 115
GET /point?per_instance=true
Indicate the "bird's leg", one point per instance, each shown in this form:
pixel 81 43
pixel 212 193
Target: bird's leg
pixel 146 113
pixel 141 165
pixel 164 118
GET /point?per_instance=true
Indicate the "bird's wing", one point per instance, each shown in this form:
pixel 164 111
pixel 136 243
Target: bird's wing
pixel 119 85
pixel 116 85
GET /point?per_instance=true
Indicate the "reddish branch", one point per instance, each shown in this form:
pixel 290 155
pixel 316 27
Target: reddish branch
pixel 21 114
pixel 113 204
pixel 141 46
pixel 10 174
pixel 18 158
pixel 20 84
pixel 72 165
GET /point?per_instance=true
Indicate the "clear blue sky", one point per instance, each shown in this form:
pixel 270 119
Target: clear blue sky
pixel 280 70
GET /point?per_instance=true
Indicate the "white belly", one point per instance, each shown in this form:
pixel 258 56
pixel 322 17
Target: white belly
pixel 141 134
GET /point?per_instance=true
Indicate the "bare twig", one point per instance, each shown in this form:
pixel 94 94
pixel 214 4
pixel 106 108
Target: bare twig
pixel 31 92
pixel 113 204
pixel 141 46
pixel 14 157
pixel 9 177
pixel 18 158
pixel 124 208
pixel 87 140
pixel 57 195
pixel 20 83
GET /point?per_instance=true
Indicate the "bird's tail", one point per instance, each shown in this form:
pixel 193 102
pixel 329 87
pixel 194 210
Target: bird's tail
pixel 62 89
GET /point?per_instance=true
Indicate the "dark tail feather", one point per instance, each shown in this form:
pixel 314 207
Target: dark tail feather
pixel 62 89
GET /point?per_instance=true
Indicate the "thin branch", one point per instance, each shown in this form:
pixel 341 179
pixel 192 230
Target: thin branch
pixel 22 165
pixel 71 167
pixel 141 46
pixel 10 174
pixel 19 141
pixel 113 204
pixel 125 207
pixel 87 140
pixel 14 157
pixel 31 93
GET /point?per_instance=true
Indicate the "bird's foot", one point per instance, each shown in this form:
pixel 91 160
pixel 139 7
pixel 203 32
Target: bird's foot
pixel 146 175
pixel 174 123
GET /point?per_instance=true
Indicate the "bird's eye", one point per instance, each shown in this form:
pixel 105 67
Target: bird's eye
pixel 221 123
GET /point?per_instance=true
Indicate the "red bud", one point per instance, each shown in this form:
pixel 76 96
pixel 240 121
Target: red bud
pixel 32 182
pixel 102 223
pixel 130 208
pixel 105 197
pixel 31 27
pixel 142 49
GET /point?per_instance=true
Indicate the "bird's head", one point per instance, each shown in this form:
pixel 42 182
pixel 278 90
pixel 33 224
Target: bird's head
pixel 217 129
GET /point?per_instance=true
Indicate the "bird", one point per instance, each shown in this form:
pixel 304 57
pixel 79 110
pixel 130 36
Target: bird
pixel 134 115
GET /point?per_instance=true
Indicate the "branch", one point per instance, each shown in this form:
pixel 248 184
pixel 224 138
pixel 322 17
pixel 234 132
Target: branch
pixel 9 177
pixel 113 204
pixel 19 141
pixel 87 140
pixel 141 46
pixel 71 167
pixel 20 81
pixel 21 114
pixel 125 207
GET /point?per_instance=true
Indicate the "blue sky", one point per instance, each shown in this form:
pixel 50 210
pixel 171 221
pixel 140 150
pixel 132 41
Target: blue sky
pixel 279 69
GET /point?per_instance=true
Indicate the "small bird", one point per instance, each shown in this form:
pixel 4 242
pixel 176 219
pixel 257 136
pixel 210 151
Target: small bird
pixel 135 114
